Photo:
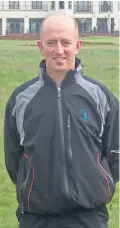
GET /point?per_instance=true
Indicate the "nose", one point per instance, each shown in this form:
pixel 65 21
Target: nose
pixel 59 48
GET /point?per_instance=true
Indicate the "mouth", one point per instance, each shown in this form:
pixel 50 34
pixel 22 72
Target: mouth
pixel 59 58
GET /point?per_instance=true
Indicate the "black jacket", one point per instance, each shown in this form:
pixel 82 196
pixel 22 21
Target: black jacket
pixel 61 144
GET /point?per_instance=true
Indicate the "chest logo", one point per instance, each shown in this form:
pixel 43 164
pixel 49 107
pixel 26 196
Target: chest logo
pixel 84 114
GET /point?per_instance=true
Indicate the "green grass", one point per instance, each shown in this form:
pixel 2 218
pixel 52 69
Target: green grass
pixel 19 63
pixel 101 39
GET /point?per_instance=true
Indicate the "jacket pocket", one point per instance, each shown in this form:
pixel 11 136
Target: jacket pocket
pixel 107 176
pixel 25 183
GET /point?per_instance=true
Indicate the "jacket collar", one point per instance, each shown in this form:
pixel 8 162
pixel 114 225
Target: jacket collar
pixel 70 76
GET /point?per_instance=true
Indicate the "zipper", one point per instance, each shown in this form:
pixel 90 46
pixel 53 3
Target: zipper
pixel 105 172
pixel 69 137
pixel 22 191
pixel 107 175
pixel 62 141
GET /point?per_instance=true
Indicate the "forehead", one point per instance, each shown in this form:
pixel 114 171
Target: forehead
pixel 58 34
pixel 55 28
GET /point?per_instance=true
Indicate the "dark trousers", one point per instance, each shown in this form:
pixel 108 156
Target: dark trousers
pixel 97 218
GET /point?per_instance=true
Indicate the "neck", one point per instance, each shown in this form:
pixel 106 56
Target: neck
pixel 58 77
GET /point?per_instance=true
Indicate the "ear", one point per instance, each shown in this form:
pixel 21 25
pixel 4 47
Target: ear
pixel 40 45
pixel 78 46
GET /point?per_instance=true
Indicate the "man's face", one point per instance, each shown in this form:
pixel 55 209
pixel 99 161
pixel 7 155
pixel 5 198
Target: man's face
pixel 59 45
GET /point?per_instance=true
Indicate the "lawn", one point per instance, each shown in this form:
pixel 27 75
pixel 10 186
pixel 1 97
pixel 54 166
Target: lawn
pixel 19 63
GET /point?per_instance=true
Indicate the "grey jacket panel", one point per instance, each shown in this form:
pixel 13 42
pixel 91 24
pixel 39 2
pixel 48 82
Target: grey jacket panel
pixel 98 96
pixel 22 100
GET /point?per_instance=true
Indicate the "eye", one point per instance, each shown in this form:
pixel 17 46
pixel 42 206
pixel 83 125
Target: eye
pixel 66 42
pixel 50 42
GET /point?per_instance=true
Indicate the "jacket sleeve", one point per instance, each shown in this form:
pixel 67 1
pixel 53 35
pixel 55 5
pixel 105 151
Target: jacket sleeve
pixel 111 137
pixel 12 147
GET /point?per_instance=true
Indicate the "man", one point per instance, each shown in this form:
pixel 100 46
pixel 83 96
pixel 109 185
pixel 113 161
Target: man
pixel 61 138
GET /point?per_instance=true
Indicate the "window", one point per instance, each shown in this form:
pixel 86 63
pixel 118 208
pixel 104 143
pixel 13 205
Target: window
pixel 69 4
pixel 25 4
pixel 52 5
pixel 102 25
pixel 83 6
pixel 119 6
pixel 35 25
pixel 105 6
pixel 61 4
pixel 15 25
pixel 13 4
pixel 84 25
pixel 2 4
pixel 36 4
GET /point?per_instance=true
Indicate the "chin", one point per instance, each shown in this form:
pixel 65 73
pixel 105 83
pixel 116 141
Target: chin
pixel 61 69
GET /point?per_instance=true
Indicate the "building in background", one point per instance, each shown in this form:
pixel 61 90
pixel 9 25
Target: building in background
pixel 26 16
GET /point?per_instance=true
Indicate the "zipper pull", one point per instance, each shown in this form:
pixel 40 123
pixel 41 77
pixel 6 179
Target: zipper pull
pixel 68 121
pixel 59 92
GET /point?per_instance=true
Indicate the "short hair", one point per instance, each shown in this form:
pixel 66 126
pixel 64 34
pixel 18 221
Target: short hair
pixel 59 13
